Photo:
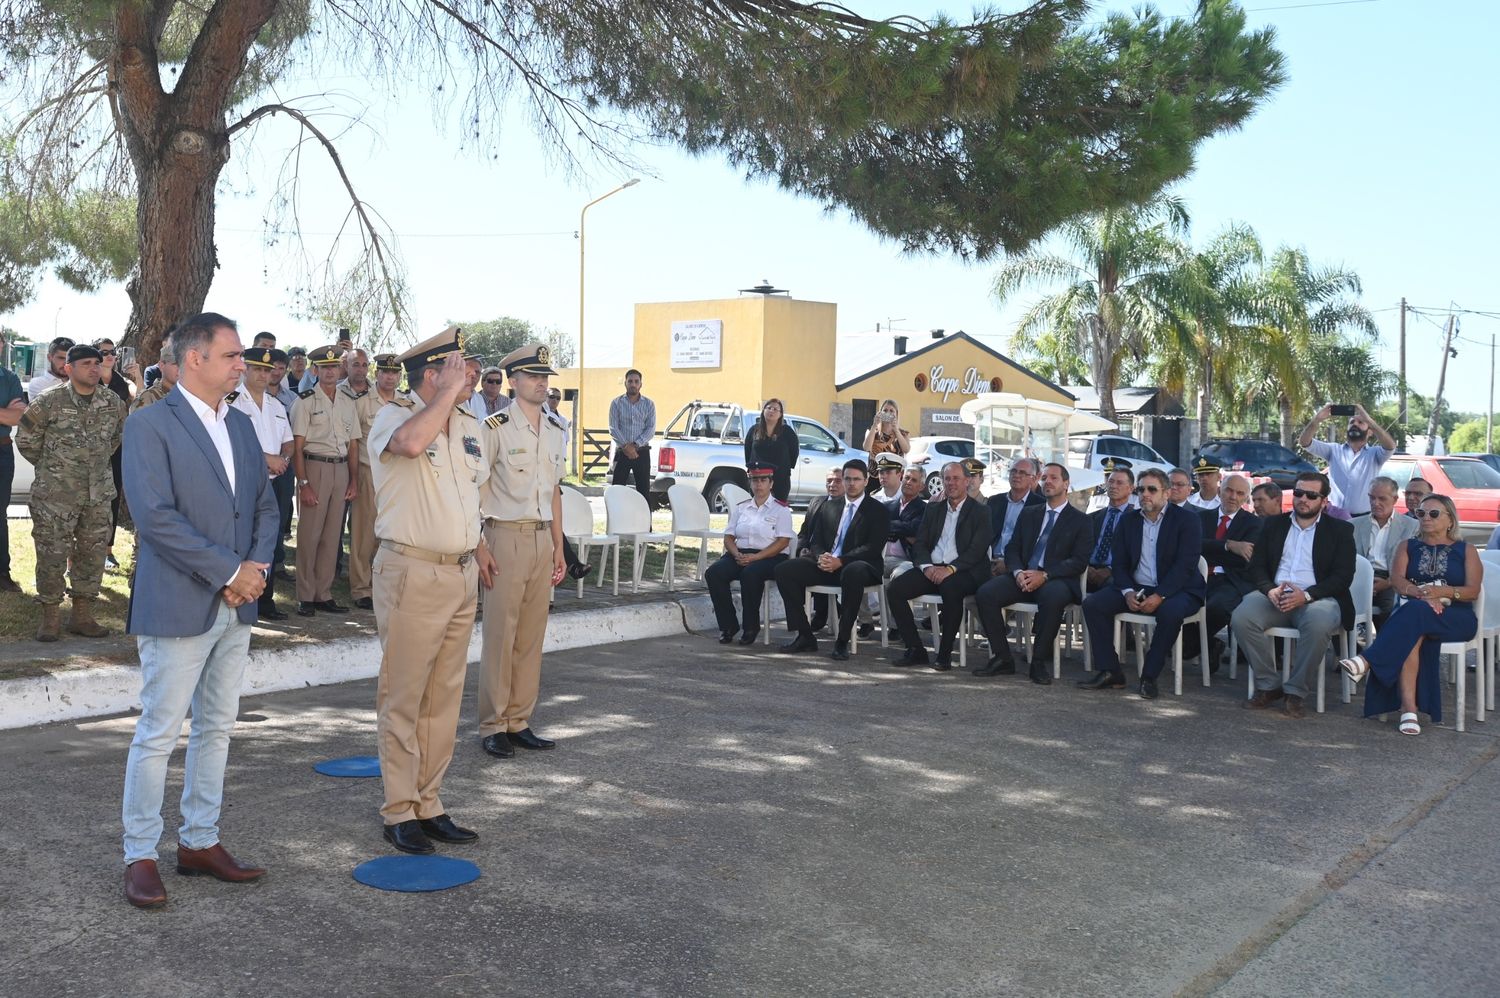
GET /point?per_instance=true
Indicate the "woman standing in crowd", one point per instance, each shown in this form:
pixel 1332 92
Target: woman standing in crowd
pixel 772 441
pixel 124 382
pixel 885 435
pixel 1439 575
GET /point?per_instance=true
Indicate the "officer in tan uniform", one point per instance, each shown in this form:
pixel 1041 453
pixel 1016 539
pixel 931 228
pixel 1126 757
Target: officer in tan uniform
pixel 325 448
pixel 523 529
pixel 362 516
pixel 428 464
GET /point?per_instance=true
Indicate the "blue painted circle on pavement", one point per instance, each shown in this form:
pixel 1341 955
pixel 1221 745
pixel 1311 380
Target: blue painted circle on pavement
pixel 415 874
pixel 354 765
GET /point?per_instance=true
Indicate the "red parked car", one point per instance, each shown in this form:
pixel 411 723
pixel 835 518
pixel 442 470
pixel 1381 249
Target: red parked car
pixel 1473 486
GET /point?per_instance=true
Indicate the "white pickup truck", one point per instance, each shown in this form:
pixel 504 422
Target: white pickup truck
pixel 704 445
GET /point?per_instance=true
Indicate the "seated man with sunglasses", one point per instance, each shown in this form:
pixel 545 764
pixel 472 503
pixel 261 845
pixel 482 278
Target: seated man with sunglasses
pixel 1302 568
pixel 1154 570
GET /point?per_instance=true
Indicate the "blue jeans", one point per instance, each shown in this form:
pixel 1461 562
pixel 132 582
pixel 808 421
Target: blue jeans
pixel 206 673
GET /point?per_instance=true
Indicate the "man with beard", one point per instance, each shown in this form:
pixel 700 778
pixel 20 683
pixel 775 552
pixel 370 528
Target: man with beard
pixel 1352 465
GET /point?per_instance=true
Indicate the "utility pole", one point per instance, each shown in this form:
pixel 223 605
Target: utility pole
pixel 1401 386
pixel 1489 414
pixel 1437 401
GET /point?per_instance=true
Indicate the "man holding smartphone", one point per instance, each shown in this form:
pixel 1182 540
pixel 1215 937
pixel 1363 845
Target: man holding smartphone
pixel 1354 464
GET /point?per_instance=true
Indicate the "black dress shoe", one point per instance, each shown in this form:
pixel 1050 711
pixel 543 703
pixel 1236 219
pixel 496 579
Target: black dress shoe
pixel 365 603
pixel 840 651
pixel 802 642
pixel 817 624
pixel 749 636
pixel 409 837
pixel 912 656
pixel 725 637
pixel 865 630
pixel 268 611
pixel 998 665
pixel 329 606
pixel 1104 681
pixel 498 745
pixel 578 570
pixel 528 739
pixel 443 829
pixel 1215 655
pixel 942 663
pixel 1148 689
pixel 1040 674
pixel 306 609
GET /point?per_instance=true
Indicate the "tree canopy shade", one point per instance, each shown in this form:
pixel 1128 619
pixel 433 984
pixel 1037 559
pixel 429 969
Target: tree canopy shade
pixel 971 138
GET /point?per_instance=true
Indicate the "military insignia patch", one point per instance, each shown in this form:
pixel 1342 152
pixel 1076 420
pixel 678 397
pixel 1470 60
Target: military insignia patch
pixel 471 447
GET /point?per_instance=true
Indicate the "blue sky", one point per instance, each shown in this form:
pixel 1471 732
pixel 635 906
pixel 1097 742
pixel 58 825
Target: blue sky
pixel 1376 156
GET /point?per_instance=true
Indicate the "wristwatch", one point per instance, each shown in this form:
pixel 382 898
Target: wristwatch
pixel 301 482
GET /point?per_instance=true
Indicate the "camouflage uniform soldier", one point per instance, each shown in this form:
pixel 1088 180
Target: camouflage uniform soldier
pixel 68 435
pixel 167 365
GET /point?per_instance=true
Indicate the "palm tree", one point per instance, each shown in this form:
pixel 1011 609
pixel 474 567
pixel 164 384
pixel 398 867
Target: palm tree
pixel 1301 312
pixel 1211 292
pixel 1112 306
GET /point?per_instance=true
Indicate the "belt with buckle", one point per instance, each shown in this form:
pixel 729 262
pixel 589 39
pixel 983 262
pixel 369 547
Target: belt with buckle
pixel 428 556
pixel 525 526
pixel 325 460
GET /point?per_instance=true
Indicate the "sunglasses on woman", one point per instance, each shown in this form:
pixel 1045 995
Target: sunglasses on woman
pixel 1431 513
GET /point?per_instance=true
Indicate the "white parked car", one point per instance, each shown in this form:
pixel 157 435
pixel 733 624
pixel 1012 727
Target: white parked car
pixel 1091 451
pixel 931 453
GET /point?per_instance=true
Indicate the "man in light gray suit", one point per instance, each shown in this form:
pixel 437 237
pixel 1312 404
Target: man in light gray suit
pixel 206 525
pixel 1379 536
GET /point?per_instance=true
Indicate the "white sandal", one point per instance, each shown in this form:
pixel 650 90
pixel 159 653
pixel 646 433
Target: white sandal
pixel 1409 725
pixel 1355 668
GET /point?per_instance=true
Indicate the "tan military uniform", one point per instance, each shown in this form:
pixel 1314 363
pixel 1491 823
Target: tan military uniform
pixel 425 581
pixel 526 465
pixel 327 427
pixel 362 512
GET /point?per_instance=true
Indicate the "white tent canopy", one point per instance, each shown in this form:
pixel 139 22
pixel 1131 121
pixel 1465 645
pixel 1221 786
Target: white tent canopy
pixel 1008 426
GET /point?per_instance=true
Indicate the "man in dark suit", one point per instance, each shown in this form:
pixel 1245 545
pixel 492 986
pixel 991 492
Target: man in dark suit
pixel 834 484
pixel 843 549
pixel 206 525
pixel 1118 484
pixel 1229 534
pixel 1047 555
pixel 1302 569
pixel 906 518
pixel 1005 508
pixel 950 557
pixel 1154 570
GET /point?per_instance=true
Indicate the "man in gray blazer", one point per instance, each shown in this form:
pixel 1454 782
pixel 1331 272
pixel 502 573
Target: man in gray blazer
pixel 206 525
pixel 1379 536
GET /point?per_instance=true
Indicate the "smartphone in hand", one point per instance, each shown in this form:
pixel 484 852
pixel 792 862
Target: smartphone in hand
pixel 1341 410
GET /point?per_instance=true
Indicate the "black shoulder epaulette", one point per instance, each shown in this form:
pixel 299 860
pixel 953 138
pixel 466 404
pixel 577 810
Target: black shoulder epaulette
pixel 465 410
pixel 354 394
pixel 552 418
pixel 498 420
pixel 303 395
pixel 232 396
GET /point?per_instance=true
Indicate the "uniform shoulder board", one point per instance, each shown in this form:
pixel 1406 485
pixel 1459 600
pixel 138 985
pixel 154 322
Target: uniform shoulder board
pixel 465 410
pixel 743 501
pixel 232 396
pixel 306 394
pixel 784 503
pixel 354 394
pixel 402 401
pixel 552 418
pixel 498 420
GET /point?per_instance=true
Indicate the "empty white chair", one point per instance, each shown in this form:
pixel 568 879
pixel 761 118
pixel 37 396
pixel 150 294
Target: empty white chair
pixel 1145 620
pixel 1491 585
pixel 733 495
pixel 578 527
pixel 628 517
pixel 1457 652
pixel 690 519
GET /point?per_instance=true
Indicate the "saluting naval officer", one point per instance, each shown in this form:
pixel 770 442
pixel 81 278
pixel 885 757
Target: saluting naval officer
pixel 523 530
pixel 325 450
pixel 760 528
pixel 362 514
pixel 428 465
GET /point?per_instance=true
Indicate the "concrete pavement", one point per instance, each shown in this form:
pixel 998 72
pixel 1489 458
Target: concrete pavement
pixel 733 822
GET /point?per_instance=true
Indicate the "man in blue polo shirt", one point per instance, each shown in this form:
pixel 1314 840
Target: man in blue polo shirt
pixel 1352 465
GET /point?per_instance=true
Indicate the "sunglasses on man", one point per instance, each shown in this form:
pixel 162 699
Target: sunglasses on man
pixel 492 381
pixel 1304 494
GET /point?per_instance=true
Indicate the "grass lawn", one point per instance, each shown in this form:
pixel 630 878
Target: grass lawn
pixel 19 612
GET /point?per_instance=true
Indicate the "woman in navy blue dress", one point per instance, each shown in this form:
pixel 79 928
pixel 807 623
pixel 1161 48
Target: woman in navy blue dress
pixel 1439 575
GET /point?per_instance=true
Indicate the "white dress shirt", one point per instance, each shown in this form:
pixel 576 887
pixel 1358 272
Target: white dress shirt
pixel 945 551
pixel 272 428
pixel 846 520
pixel 215 421
pixel 1296 557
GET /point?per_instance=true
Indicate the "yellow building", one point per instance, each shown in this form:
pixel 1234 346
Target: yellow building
pixel 761 346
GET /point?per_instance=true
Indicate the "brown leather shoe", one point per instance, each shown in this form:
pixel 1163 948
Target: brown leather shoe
pixel 1293 708
pixel 143 886
pixel 215 862
pixel 1263 699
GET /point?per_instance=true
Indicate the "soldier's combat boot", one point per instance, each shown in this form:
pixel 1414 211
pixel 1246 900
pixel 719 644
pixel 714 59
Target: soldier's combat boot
pixel 50 629
pixel 81 620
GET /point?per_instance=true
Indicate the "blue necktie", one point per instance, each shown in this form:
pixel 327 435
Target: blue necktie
pixel 1041 541
pixel 838 540
pixel 1106 538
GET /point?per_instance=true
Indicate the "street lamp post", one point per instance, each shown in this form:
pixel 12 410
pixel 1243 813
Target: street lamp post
pixel 578 427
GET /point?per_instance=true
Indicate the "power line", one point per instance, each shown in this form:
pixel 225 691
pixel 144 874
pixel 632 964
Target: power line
pixel 1304 6
pixel 427 235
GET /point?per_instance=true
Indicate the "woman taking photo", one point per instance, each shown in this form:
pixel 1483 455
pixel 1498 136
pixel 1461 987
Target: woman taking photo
pixel 771 440
pixel 885 435
pixel 1439 575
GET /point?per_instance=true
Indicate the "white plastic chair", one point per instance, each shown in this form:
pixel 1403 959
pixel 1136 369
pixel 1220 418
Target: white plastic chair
pixel 690 519
pixel 578 527
pixel 765 608
pixel 1491 589
pixel 1145 620
pixel 1072 614
pixel 733 494
pixel 1458 653
pixel 628 517
pixel 835 593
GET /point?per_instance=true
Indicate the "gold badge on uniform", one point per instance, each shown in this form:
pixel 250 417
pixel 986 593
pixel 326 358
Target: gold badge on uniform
pixel 543 356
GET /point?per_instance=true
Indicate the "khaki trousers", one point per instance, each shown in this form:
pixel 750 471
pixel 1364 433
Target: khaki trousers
pixel 318 530
pixel 425 616
pixel 515 623
pixel 362 541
